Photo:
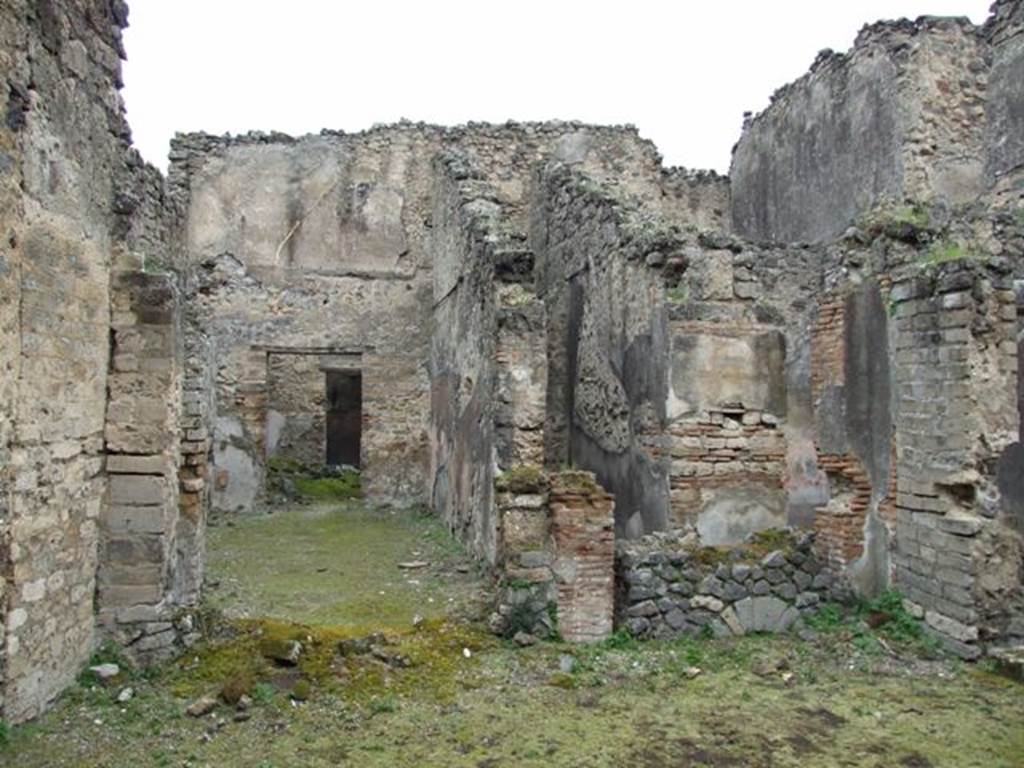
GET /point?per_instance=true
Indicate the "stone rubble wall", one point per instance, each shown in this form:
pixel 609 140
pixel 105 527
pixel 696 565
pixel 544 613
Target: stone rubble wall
pixel 669 587
pixel 64 150
pixel 469 242
pixel 323 244
pixel 80 213
pixel 696 200
pixel 602 263
pixel 296 408
pixel 522 371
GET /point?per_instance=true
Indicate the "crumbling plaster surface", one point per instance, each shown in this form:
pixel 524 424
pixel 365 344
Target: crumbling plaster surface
pixel 322 243
pixel 899 116
pixel 1004 109
pixel 600 273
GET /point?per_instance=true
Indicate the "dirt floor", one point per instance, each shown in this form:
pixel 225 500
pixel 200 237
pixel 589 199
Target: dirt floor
pixel 395 669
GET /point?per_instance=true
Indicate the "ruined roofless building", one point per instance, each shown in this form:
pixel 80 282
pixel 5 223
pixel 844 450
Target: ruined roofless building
pixel 828 339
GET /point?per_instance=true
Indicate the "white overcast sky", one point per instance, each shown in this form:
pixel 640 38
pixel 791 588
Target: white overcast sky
pixel 682 71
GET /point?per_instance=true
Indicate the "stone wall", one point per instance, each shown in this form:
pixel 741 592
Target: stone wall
pixel 727 403
pixel 64 150
pixel 296 408
pixel 77 203
pixel 1004 107
pixel 899 116
pixel 135 601
pixel 957 415
pixel 601 270
pixel 324 244
pixel 696 200
pixel 670 586
pixel 470 240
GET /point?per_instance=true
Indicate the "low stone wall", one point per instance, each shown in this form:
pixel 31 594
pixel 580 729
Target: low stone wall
pixel 668 585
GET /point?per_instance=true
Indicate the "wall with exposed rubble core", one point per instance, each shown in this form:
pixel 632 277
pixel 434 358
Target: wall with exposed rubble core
pixel 1004 111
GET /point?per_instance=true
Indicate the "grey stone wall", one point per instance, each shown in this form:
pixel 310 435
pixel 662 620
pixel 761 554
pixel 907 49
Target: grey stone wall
pixel 1004 107
pixel 601 272
pixel 954 540
pixel 669 586
pixel 470 238
pixel 896 117
pixel 321 244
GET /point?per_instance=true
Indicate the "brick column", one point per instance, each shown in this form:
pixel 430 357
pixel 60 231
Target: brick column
pixel 583 532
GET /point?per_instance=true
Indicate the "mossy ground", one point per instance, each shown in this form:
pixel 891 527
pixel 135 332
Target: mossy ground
pixel 466 699
pixel 337 566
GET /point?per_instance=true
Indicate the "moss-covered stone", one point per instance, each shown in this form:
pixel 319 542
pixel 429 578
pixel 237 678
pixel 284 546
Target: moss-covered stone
pixel 525 478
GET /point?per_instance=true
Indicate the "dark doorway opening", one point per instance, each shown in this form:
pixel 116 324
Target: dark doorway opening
pixel 344 417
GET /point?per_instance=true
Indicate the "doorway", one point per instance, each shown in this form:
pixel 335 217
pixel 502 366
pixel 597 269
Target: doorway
pixel 344 417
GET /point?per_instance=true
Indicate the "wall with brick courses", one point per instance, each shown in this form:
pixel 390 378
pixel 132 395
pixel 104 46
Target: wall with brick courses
pixel 583 534
pixel 557 569
pixel 957 368
pixel 138 549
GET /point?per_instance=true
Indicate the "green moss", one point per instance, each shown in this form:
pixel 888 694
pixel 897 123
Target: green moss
pixel 944 252
pixel 302 690
pixel 574 481
pixel 235 688
pixel 347 486
pixel 289 477
pixel 526 478
pixel 712 556
pixel 679 294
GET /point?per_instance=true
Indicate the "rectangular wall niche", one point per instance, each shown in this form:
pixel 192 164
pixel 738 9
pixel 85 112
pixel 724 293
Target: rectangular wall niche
pixel 344 417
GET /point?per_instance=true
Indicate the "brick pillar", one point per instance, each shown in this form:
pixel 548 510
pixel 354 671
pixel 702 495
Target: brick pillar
pixel 142 444
pixel 583 532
